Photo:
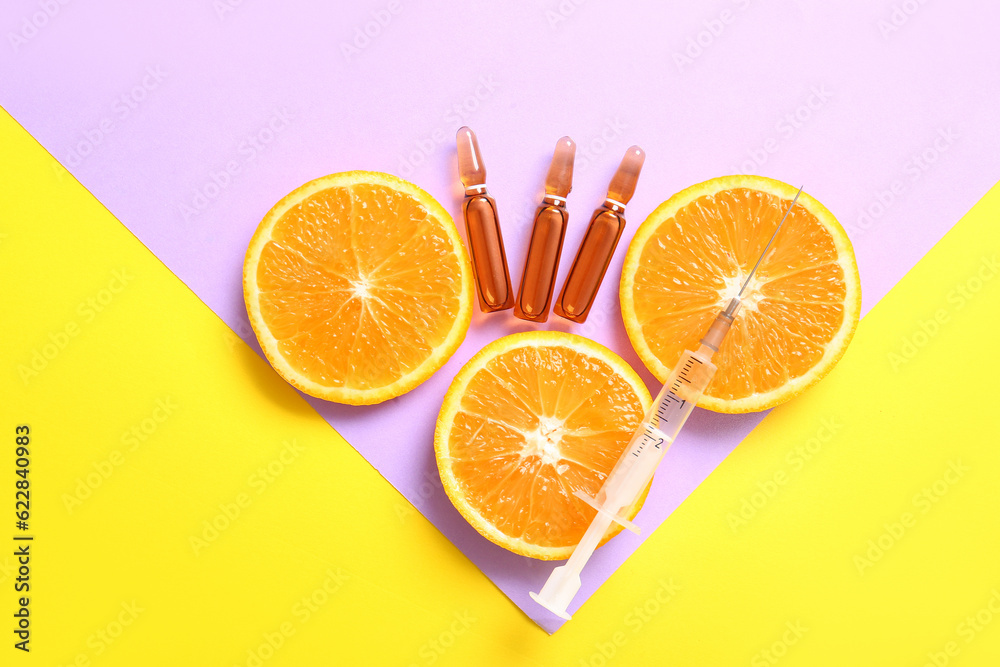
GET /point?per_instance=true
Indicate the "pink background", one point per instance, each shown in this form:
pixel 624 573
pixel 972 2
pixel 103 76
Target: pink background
pixel 886 111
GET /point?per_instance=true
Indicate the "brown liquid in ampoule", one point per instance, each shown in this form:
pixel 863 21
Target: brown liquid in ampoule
pixel 599 243
pixel 489 262
pixel 545 247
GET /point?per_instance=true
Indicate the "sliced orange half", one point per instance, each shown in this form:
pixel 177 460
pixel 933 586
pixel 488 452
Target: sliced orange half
pixel 692 255
pixel 528 421
pixel 358 287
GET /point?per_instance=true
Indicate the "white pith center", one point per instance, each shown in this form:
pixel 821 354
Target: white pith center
pixel 360 287
pixel 544 441
pixel 751 296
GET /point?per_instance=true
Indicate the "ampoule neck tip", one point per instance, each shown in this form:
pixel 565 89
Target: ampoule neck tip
pixel 559 180
pixel 623 183
pixel 634 158
pixel 471 169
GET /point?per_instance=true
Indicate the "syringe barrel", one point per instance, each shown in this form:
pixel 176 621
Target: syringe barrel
pixel 673 405
pixel 683 389
pixel 634 469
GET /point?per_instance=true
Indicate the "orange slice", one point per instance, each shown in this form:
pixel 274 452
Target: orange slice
pixel 529 420
pixel 358 287
pixel 693 253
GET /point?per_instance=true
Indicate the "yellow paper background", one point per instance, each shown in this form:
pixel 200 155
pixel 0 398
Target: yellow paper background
pixel 151 420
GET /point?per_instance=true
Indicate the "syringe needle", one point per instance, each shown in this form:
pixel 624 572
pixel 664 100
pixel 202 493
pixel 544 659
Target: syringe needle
pixel 761 258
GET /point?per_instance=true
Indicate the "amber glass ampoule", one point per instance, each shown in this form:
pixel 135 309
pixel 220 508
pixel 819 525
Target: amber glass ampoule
pixel 489 262
pixel 600 241
pixel 542 261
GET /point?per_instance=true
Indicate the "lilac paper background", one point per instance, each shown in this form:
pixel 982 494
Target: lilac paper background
pixel 840 96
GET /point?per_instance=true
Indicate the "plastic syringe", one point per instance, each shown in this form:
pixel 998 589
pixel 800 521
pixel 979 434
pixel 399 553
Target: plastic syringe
pixel 632 473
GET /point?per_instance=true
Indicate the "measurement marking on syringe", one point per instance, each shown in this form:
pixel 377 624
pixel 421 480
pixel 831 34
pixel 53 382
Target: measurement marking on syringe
pixel 682 376
pixel 661 409
pixel 651 437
